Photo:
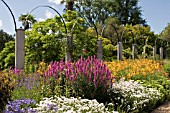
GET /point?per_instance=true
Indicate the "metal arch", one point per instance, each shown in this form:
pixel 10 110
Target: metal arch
pixel 116 31
pixel 133 36
pixel 156 40
pixel 95 29
pixel 122 34
pixel 163 42
pixel 11 14
pixel 119 38
pixel 55 11
pixel 90 24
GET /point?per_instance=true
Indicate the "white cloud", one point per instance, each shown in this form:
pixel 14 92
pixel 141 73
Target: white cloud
pixel 10 33
pixel 57 2
pixel 1 24
pixel 41 19
pixel 49 14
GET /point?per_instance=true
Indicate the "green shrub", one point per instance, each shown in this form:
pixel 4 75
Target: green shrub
pixel 167 67
pixel 7 84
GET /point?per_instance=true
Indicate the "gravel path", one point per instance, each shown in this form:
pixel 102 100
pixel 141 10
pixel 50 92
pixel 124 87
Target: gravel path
pixel 165 108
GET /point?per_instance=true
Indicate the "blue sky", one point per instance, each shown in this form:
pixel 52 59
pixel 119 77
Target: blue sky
pixel 154 11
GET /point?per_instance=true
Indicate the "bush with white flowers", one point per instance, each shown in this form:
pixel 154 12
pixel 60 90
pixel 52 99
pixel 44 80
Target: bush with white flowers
pixel 72 105
pixel 132 96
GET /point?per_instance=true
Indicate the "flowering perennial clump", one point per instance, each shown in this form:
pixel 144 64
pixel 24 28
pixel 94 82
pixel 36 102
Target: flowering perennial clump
pixel 94 70
pixel 89 77
pixel 132 96
pixel 7 84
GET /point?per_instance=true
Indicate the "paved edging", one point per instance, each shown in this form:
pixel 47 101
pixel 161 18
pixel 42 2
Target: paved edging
pixel 165 108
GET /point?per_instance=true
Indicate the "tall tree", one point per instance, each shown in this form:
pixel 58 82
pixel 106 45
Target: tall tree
pixel 94 10
pixel 4 38
pixel 69 4
pixel 127 11
pixel 165 34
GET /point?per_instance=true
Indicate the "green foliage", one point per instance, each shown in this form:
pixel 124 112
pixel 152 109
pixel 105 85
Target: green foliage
pixel 9 60
pixel 7 56
pixel 7 84
pixel 85 44
pixel 44 42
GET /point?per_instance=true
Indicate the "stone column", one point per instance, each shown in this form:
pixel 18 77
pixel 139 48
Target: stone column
pixel 119 51
pixel 133 51
pixel 161 52
pixel 100 49
pixel 166 53
pixel 68 48
pixel 19 48
pixel 154 52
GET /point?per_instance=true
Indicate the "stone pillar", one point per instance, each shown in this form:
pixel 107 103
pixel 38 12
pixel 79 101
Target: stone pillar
pixel 100 49
pixel 19 48
pixel 166 53
pixel 68 56
pixel 154 52
pixel 161 52
pixel 119 51
pixel 133 51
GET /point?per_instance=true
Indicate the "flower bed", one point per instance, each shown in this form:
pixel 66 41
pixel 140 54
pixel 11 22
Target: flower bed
pixel 93 81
